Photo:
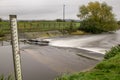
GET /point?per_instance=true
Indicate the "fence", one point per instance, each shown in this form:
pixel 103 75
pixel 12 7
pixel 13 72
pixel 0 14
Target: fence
pixel 32 26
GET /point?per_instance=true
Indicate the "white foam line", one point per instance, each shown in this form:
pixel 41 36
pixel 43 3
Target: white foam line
pixel 78 43
pixel 97 50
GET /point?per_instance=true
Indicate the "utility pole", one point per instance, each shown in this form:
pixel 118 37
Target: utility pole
pixel 15 47
pixel 63 12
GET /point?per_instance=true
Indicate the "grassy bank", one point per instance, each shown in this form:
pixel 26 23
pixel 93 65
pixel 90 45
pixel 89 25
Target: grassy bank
pixel 108 69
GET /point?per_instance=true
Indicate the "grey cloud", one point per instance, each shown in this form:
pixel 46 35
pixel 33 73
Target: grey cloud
pixel 47 9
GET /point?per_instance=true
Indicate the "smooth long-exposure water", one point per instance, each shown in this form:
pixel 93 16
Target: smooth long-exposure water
pixel 47 62
pixel 97 43
pixel 44 62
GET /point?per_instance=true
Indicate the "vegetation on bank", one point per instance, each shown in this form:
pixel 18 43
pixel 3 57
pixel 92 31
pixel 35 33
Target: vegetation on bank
pixel 97 18
pixel 108 69
pixel 39 26
pixel 113 52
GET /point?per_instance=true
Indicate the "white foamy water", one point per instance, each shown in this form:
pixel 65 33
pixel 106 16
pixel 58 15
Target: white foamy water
pixel 96 43
pixel 74 42
pixel 97 50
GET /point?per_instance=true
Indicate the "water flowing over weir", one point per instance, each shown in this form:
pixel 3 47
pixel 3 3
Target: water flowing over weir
pixel 64 54
pixel 96 43
pixel 77 43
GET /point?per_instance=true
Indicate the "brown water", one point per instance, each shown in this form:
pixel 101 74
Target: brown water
pixel 47 62
pixel 44 62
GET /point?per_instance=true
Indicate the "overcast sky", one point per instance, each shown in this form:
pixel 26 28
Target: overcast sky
pixel 48 9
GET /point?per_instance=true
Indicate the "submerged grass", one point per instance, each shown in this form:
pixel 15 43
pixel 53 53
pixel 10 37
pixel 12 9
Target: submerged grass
pixel 10 77
pixel 108 69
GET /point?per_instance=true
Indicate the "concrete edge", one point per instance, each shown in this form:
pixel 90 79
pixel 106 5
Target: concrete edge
pixel 89 57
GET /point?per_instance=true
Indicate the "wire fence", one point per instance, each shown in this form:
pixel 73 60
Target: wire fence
pixel 39 26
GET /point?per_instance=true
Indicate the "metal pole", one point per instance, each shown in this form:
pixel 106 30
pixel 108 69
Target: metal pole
pixel 15 47
pixel 63 12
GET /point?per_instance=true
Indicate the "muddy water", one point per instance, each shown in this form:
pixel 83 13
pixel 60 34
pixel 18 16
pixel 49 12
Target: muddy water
pixel 47 62
pixel 44 62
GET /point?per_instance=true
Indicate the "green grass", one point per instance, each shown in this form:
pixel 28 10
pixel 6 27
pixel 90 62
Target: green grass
pixel 37 26
pixel 112 52
pixel 108 69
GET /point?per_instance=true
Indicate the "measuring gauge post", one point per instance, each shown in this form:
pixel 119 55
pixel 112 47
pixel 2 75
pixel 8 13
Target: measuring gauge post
pixel 15 47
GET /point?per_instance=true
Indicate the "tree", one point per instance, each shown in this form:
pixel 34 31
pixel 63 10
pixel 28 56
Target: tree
pixel 97 17
pixel 59 20
pixel 118 22
pixel 1 32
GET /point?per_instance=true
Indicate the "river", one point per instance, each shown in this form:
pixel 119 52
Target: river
pixel 48 62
